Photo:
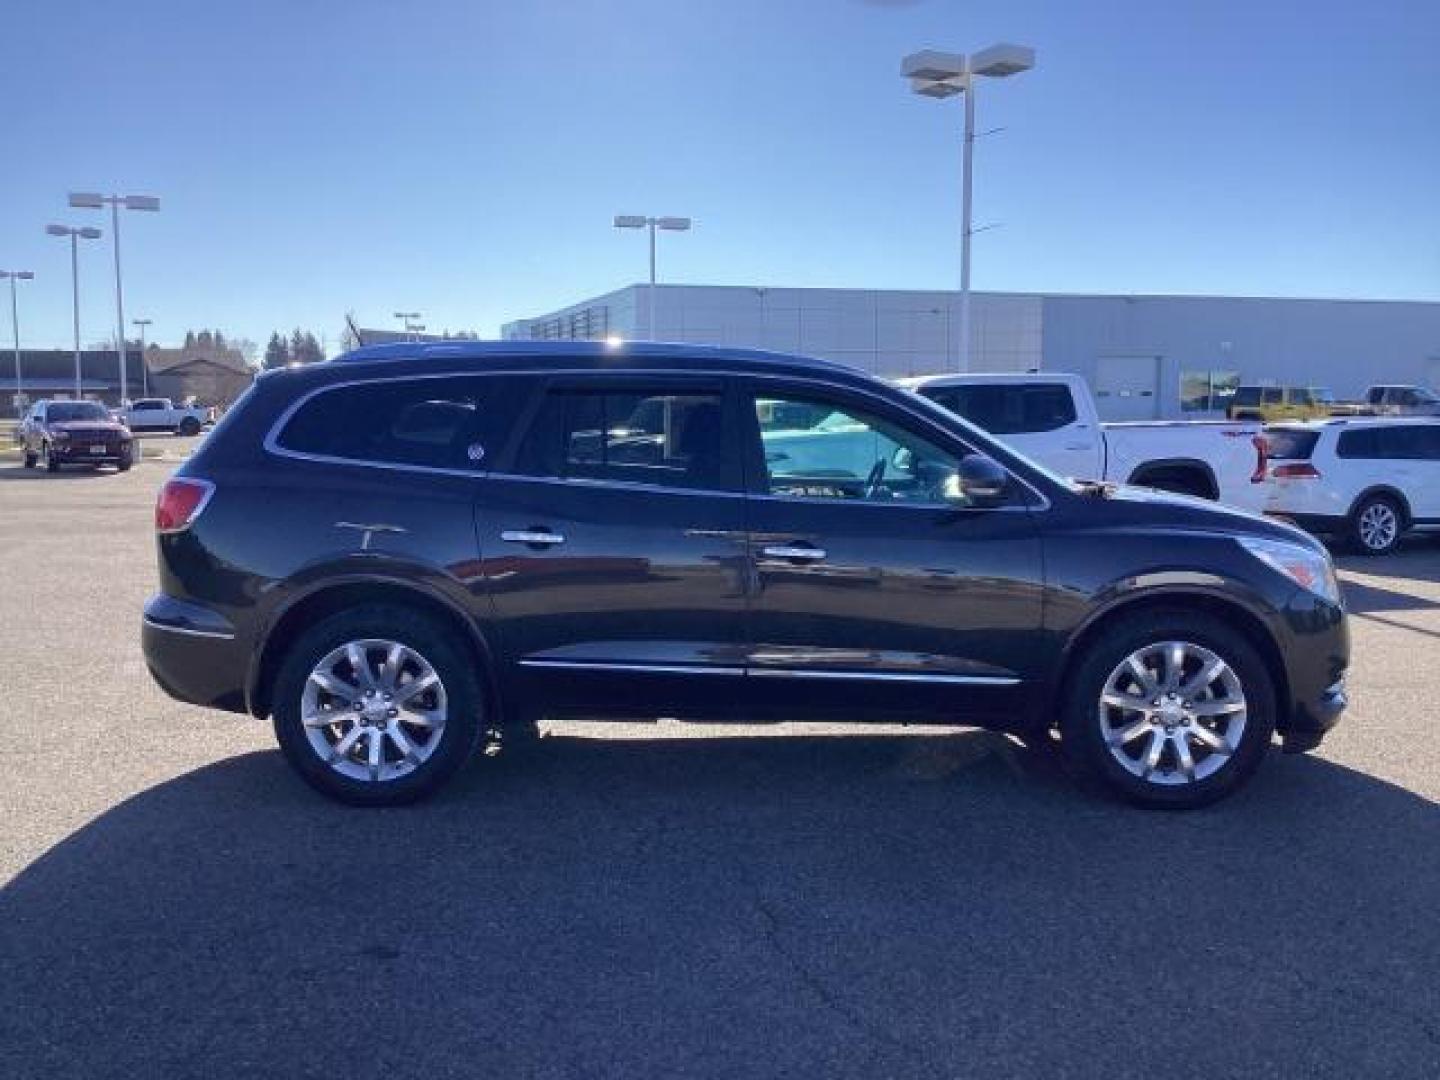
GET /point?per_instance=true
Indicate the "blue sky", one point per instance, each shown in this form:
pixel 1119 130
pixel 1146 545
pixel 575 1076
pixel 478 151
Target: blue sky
pixel 464 157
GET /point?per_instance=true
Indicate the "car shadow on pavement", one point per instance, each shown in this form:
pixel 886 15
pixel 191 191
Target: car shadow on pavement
pixel 78 472
pixel 1363 598
pixel 814 907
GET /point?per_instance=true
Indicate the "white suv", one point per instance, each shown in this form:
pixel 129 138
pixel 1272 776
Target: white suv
pixel 1368 480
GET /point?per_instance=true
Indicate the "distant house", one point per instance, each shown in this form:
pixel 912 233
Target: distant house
pixel 209 375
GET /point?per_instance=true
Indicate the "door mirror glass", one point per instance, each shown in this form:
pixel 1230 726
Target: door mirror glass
pixel 981 482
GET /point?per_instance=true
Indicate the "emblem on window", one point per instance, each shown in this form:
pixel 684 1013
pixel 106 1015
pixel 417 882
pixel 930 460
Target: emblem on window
pixel 475 452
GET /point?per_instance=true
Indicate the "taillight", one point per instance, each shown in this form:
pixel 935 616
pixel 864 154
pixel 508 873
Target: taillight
pixel 1262 458
pixel 1299 470
pixel 180 502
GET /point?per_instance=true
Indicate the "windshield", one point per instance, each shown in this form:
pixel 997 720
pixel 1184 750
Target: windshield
pixel 63 411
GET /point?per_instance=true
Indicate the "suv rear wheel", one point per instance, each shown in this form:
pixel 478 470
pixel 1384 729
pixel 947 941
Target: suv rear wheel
pixel 1376 524
pixel 375 707
pixel 1170 709
pixel 188 426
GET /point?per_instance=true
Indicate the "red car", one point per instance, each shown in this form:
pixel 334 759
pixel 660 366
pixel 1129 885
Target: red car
pixel 74 433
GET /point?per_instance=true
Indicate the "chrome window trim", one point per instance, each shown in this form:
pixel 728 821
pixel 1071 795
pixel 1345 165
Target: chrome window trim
pixel 219 635
pixel 619 485
pixel 271 443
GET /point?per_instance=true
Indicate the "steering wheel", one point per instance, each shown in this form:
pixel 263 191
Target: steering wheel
pixel 875 481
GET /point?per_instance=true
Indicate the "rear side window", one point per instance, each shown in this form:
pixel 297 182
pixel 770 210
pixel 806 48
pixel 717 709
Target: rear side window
pixel 1247 395
pixel 1272 395
pixel 1010 410
pixel 667 439
pixel 1290 445
pixel 1408 442
pixel 431 423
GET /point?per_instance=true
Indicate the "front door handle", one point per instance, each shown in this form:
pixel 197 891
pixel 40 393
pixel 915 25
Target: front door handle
pixel 534 537
pixel 790 551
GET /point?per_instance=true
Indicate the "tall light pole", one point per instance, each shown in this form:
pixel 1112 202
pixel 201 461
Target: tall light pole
pixel 669 224
pixel 942 75
pixel 92 201
pixel 410 320
pixel 75 235
pixel 14 276
pixel 144 371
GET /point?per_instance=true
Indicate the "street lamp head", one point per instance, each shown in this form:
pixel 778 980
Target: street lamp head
pixel 58 230
pixel 88 233
pixel 88 200
pixel 141 202
pixel 630 221
pixel 19 275
pixel 931 65
pixel 1001 60
pixel 941 88
pixel 142 322
pixel 673 224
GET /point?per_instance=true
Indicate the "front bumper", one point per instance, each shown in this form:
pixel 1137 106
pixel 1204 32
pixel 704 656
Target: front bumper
pixel 1316 647
pixel 79 453
pixel 194 654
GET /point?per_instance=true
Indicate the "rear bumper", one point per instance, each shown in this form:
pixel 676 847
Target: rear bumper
pixel 194 654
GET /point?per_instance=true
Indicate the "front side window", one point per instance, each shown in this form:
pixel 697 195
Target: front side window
pixel 1014 409
pixel 430 423
pixel 666 439
pixel 820 451
pixel 1272 395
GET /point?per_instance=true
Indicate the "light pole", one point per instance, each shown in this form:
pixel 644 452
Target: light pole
pixel 942 75
pixel 76 235
pixel 144 371
pixel 92 201
pixel 14 276
pixel 410 320
pixel 669 224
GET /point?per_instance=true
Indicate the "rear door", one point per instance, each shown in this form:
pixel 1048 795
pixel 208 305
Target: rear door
pixel 875 589
pixel 614 540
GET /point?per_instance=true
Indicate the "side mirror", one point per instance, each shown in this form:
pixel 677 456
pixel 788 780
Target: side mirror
pixel 982 481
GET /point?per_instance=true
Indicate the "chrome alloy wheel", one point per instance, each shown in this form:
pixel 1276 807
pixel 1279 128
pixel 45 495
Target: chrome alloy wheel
pixel 373 709
pixel 1379 525
pixel 1172 713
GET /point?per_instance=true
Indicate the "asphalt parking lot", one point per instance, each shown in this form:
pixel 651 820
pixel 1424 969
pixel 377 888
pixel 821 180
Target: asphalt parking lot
pixel 701 904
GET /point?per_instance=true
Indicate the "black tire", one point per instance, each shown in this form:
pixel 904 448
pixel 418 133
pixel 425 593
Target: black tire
pixel 465 712
pixel 1367 519
pixel 1084 742
pixel 51 465
pixel 30 459
pixel 123 464
pixel 188 426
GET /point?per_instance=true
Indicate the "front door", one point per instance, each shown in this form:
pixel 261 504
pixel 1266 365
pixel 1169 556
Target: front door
pixel 877 588
pixel 614 543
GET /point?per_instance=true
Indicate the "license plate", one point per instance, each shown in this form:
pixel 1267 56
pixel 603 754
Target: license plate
pixel 97 449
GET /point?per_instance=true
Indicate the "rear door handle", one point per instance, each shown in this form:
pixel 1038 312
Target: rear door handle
pixel 788 551
pixel 535 537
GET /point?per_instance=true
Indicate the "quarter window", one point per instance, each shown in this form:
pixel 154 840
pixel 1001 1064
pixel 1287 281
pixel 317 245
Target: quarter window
pixel 820 451
pixel 432 423
pixel 638 437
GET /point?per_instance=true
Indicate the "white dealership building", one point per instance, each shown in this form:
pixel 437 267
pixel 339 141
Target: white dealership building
pixel 1145 357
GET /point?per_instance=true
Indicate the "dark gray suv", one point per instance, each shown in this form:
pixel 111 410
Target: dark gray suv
pixel 415 550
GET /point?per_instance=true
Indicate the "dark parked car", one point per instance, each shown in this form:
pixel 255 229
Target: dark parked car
pixel 416 549
pixel 56 433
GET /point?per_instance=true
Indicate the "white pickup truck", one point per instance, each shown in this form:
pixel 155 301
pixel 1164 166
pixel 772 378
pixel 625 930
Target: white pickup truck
pixel 1052 419
pixel 162 414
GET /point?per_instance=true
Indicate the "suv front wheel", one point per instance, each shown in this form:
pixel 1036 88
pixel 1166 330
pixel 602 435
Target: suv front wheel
pixel 375 707
pixel 1170 710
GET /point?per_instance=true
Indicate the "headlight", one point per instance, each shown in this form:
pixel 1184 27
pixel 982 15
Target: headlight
pixel 1310 569
pixel 60 436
